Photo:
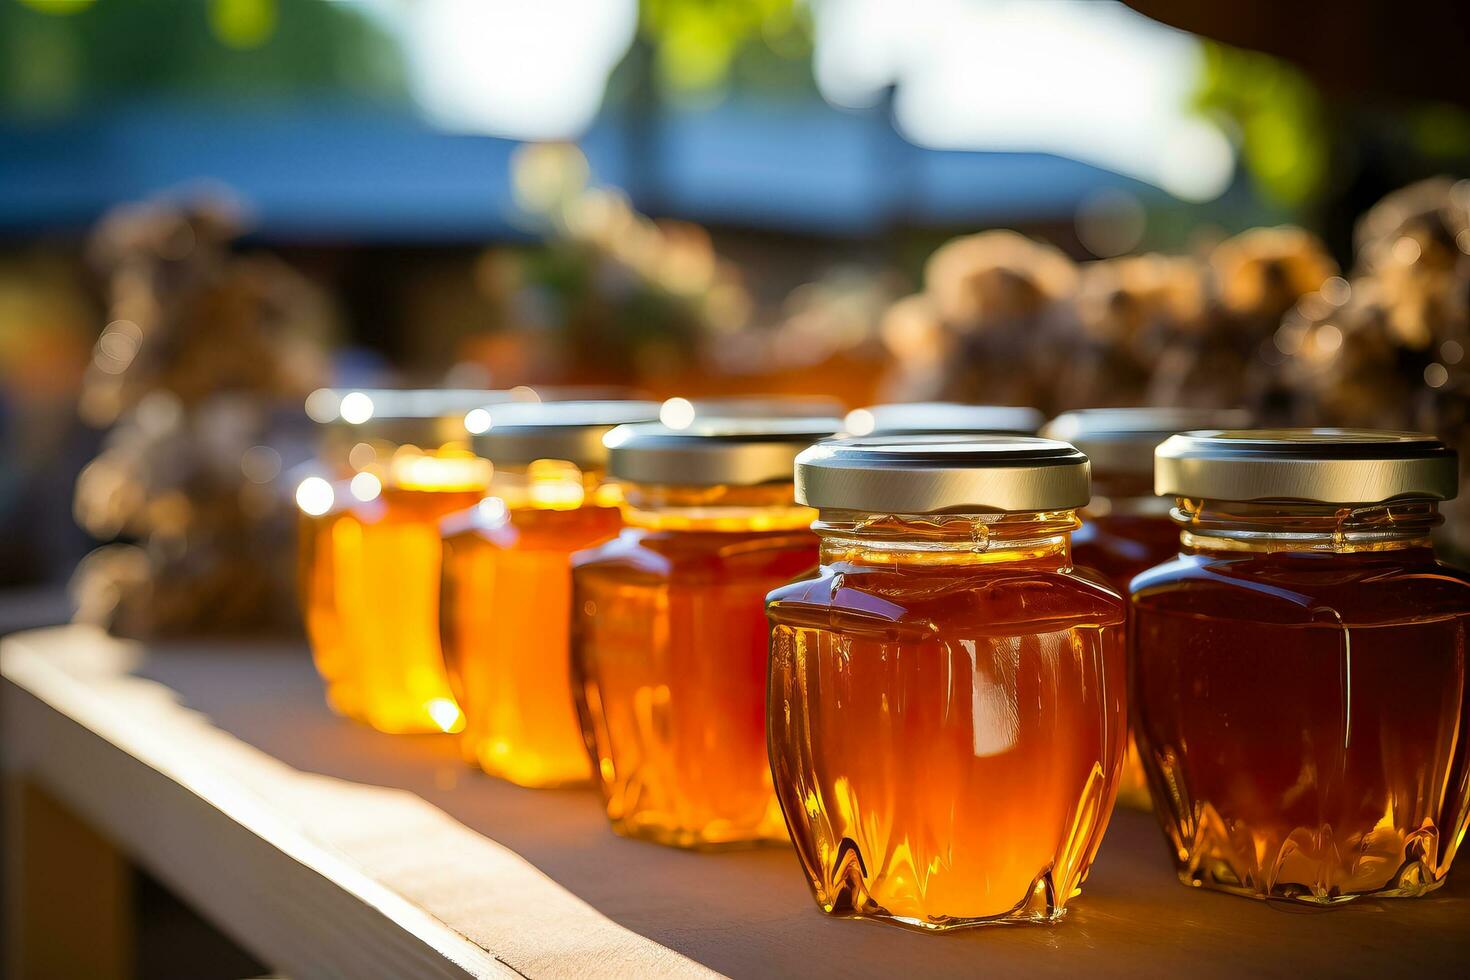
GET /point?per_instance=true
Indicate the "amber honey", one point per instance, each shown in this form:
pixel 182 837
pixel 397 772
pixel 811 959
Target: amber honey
pixel 947 709
pixel 669 648
pixel 1126 528
pixel 506 593
pixel 1300 687
pixel 371 574
pixel 507 658
pixel 370 555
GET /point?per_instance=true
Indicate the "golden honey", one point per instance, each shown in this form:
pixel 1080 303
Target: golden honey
pixel 1300 675
pixel 669 642
pixel 506 593
pixel 369 572
pixel 947 715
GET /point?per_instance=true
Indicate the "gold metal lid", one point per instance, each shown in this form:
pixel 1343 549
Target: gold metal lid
pixel 519 433
pixel 1330 466
pixel 942 475
pixel 1122 440
pixel 942 418
pixel 713 452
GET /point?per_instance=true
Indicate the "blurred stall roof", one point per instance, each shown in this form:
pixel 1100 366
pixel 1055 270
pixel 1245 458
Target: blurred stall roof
pixel 332 172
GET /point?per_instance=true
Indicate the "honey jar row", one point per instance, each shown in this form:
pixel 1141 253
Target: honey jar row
pixel 928 649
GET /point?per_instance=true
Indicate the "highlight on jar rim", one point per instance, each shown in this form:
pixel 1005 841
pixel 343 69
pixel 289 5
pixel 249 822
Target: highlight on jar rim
pixel 941 418
pixel 680 413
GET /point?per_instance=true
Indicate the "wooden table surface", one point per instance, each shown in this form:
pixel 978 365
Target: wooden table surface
pixel 330 850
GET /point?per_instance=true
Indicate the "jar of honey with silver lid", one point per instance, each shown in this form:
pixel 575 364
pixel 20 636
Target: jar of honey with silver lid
pixel 669 643
pixel 947 717
pixel 506 594
pixel 1299 669
pixel 369 550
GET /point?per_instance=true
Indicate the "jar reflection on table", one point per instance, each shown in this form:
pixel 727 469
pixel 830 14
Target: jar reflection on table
pixel 1300 669
pixel 1125 526
pixel 370 555
pixel 506 595
pixel 669 647
pixel 947 708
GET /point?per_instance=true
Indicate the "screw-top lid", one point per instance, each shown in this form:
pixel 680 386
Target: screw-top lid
pixel 1122 440
pixel 519 433
pixel 942 418
pixel 423 417
pixel 713 452
pixel 1329 466
pixel 942 475
pixel 681 413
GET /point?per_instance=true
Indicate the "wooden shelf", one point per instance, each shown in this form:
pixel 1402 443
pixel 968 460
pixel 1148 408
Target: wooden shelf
pixel 328 849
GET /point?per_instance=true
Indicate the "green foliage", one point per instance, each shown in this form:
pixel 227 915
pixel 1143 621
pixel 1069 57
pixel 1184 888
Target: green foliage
pixel 704 46
pixel 1279 116
pixel 239 50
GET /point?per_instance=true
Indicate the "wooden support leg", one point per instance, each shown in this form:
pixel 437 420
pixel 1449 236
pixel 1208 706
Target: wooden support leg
pixel 68 892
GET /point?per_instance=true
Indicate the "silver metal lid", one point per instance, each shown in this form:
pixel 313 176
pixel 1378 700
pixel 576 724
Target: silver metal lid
pixel 519 433
pixel 942 418
pixel 1122 440
pixel 424 416
pixel 713 452
pixel 680 413
pixel 1330 466
pixel 942 475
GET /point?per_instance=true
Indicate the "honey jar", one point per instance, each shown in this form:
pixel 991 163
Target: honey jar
pixel 947 695
pixel 1299 669
pixel 506 592
pixel 941 418
pixel 369 554
pixel 1125 526
pixel 669 643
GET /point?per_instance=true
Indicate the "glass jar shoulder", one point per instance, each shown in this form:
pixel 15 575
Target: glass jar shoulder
pixel 701 555
pixel 1363 588
pixel 964 598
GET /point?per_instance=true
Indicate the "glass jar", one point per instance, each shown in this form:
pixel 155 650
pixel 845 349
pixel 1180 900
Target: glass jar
pixel 369 555
pixel 1125 526
pixel 947 711
pixel 669 638
pixel 506 594
pixel 1299 670
pixel 941 418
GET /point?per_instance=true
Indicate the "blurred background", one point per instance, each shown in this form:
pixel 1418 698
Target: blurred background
pixel 210 208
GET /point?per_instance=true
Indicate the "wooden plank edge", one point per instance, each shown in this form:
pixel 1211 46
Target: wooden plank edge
pixel 221 850
pixel 398 844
